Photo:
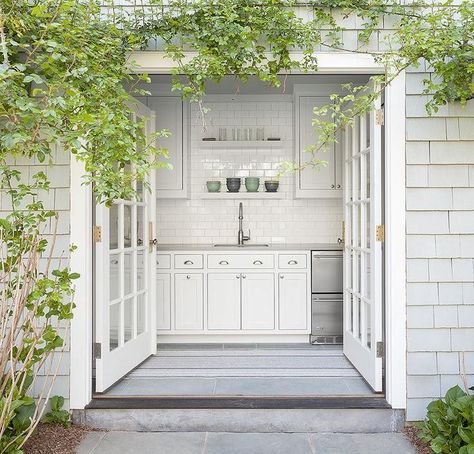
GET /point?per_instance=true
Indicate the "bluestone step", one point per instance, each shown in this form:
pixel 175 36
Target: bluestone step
pixel 244 420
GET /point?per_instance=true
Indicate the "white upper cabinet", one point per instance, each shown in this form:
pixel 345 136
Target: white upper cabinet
pixel 171 114
pixel 325 181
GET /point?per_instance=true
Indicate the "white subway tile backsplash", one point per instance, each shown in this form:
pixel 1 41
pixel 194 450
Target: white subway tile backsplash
pixel 202 221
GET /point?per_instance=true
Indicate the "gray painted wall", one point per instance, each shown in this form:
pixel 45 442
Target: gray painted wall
pixel 58 199
pixel 440 247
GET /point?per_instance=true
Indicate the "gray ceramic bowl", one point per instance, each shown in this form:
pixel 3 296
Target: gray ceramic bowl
pixel 233 184
pixel 272 185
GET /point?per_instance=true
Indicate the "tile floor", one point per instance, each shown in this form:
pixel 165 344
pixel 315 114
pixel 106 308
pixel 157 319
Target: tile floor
pixel 238 443
pixel 243 370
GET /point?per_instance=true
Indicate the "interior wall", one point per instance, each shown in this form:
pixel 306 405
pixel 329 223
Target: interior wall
pixel 204 221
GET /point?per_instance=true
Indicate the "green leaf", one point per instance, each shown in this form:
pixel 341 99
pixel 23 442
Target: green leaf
pixel 454 394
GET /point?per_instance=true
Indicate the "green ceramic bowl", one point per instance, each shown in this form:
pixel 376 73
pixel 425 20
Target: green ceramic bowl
pixel 213 186
pixel 252 184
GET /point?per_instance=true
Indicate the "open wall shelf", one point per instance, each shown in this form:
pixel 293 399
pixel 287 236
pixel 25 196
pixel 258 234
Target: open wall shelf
pixel 242 195
pixel 241 144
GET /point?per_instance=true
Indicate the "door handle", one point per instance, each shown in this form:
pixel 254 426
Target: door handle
pixel 258 262
pixel 188 262
pixel 223 262
pixel 292 262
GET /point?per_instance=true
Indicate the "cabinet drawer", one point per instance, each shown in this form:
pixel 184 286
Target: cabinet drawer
pixel 291 261
pixel 163 261
pixel 185 261
pixel 250 261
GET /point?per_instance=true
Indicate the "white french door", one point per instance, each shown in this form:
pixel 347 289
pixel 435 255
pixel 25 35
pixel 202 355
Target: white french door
pixel 124 287
pixel 363 252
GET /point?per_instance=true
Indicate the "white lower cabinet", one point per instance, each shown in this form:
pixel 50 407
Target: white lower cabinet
pixel 188 302
pixel 223 301
pixel 163 301
pixel 258 301
pixel 292 301
pixel 240 300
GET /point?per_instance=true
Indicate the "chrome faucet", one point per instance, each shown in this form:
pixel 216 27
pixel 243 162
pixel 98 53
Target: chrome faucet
pixel 241 237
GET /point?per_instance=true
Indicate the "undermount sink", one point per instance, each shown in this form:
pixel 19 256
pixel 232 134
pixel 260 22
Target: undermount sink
pixel 241 245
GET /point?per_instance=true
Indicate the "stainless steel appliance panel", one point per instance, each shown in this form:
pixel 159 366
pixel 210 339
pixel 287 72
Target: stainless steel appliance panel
pixel 327 315
pixel 326 272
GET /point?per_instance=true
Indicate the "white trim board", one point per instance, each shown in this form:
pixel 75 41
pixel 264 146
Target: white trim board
pixel 395 307
pixel 81 262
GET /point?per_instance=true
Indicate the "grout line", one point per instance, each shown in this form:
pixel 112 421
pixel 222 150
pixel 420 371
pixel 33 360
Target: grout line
pixel 204 446
pixel 308 439
pixel 215 386
pixel 98 443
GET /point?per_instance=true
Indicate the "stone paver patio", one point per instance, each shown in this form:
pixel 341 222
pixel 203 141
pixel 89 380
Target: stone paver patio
pixel 239 443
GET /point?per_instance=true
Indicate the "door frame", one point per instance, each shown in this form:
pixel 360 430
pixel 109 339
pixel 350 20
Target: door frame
pixel 81 207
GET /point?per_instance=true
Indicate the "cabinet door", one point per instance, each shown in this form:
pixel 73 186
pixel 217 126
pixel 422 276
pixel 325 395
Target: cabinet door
pixel 169 115
pixel 312 178
pixel 292 301
pixel 163 301
pixel 223 301
pixel 188 301
pixel 258 301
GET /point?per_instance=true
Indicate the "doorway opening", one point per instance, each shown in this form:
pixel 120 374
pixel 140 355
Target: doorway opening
pixel 170 322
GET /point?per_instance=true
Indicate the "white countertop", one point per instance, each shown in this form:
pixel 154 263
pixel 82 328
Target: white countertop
pixel 248 247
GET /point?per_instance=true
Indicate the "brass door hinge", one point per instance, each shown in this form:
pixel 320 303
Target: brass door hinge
pixel 152 242
pixel 380 232
pixel 380 350
pixel 97 350
pixel 342 240
pixel 379 117
pixel 97 233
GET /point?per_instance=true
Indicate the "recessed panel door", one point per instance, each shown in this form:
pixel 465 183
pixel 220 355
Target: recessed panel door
pixel 292 301
pixel 223 301
pixel 324 176
pixel 188 301
pixel 258 301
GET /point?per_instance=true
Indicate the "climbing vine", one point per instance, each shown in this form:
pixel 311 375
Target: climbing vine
pixel 210 39
pixel 248 37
